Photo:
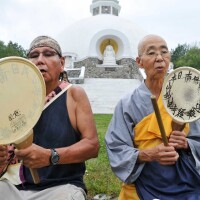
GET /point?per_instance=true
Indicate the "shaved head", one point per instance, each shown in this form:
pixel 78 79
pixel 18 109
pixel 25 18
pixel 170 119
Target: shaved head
pixel 147 39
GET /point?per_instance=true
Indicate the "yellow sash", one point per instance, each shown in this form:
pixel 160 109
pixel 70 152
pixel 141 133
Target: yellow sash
pixel 147 135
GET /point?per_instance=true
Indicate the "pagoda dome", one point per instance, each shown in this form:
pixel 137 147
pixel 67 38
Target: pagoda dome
pixel 89 37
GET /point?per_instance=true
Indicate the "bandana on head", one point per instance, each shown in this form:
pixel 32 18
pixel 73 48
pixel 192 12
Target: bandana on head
pixel 45 41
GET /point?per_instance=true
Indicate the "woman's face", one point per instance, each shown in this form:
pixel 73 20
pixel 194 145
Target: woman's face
pixel 154 58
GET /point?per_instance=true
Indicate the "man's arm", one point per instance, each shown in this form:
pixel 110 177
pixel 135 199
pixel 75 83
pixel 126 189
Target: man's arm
pixel 88 146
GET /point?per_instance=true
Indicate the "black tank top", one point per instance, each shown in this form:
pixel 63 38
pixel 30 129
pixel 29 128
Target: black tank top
pixel 54 130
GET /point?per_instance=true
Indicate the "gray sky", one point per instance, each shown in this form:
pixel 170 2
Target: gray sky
pixel 178 21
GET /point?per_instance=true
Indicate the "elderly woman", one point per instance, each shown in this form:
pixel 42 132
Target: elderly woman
pixel 137 155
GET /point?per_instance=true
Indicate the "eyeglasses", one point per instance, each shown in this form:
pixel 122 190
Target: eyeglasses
pixel 47 54
pixel 154 54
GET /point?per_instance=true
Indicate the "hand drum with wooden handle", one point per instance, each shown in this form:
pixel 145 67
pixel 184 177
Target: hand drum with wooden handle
pixel 22 95
pixel 181 96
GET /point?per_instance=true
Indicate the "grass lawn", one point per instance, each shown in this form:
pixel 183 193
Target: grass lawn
pixel 99 177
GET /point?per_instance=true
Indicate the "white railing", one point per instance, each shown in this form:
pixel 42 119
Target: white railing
pixel 80 78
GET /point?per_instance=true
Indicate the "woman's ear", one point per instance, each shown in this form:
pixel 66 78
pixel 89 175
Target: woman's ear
pixel 139 62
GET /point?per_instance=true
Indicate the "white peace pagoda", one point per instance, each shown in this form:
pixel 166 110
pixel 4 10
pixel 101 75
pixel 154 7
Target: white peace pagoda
pixel 103 48
pixel 89 37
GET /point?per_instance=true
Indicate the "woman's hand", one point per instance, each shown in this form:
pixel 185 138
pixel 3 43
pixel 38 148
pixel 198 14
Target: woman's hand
pixel 178 140
pixel 165 155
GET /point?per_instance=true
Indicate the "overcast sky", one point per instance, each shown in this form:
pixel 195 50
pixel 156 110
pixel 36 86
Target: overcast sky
pixel 178 21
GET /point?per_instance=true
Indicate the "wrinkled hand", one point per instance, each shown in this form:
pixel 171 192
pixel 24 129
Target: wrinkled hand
pixel 178 140
pixel 33 156
pixel 3 155
pixel 165 155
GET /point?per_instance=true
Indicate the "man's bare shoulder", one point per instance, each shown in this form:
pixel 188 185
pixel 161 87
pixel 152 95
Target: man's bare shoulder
pixel 77 93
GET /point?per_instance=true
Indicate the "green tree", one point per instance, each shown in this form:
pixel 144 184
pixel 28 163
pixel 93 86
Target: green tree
pixel 12 49
pixel 191 58
pixel 178 52
pixel 2 49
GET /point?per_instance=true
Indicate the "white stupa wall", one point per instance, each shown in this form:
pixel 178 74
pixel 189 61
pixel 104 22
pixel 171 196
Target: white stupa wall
pixel 85 36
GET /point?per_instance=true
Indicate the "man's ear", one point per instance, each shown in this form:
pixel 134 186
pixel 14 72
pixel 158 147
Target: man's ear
pixel 62 61
pixel 139 62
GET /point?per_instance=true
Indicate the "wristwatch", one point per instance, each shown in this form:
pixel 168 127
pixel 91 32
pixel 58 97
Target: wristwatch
pixel 54 158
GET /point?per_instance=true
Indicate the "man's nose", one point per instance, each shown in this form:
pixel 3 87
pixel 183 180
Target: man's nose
pixel 40 58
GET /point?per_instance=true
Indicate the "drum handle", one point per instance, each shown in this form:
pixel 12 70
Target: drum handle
pixel 26 143
pixel 177 126
pixel 35 176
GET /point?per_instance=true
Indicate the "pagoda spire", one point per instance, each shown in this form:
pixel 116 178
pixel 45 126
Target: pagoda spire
pixel 111 7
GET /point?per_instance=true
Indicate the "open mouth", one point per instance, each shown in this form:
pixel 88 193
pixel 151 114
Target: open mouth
pixel 42 71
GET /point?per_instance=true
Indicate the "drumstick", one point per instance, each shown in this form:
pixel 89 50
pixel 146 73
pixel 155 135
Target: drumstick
pixel 159 120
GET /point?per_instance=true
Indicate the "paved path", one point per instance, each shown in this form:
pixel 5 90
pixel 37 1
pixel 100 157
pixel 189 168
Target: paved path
pixel 105 93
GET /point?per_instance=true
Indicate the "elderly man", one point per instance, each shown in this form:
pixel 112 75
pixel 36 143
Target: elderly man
pixel 148 168
pixel 64 137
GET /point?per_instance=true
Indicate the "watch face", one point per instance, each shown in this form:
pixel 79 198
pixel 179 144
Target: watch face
pixel 54 157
